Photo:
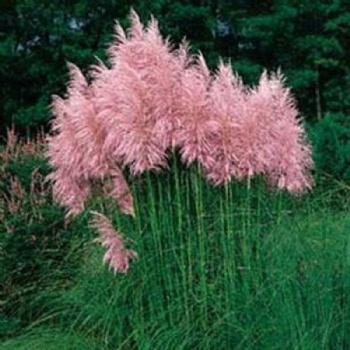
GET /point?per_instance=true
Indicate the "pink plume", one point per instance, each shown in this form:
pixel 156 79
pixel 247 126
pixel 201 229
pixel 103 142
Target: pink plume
pixel 196 124
pixel 287 154
pixel 228 98
pixel 136 99
pixel 119 189
pixel 116 255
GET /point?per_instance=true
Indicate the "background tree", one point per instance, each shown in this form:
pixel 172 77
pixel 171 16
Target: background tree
pixel 306 39
pixel 37 38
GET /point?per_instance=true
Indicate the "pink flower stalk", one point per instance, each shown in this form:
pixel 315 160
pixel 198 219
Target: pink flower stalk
pixel 76 123
pixel 227 97
pixel 75 151
pixel 136 97
pixel 245 135
pixel 67 154
pixel 69 191
pixel 116 255
pixel 118 188
pixel 284 151
pixel 196 124
pixel 134 137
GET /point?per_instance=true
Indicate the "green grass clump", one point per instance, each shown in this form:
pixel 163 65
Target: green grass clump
pixel 218 268
pixel 38 249
pixel 50 339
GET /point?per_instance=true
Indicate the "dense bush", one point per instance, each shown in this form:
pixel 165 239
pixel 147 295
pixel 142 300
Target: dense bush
pixel 34 238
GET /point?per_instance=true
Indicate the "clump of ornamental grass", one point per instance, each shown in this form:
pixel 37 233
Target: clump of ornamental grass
pixel 33 234
pixel 154 99
pixel 21 175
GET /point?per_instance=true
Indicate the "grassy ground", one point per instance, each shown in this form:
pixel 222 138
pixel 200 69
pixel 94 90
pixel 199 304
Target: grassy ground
pixel 218 268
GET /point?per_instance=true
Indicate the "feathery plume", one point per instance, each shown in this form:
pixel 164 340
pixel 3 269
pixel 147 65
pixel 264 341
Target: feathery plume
pixel 136 98
pixel 228 98
pixel 284 149
pixel 75 150
pixel 116 255
pixel 117 187
pixel 196 124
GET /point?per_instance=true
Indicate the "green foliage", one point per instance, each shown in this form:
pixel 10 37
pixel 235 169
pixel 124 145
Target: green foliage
pixel 331 140
pixel 218 268
pixel 35 241
pixel 306 39
pixel 38 38
pixel 50 339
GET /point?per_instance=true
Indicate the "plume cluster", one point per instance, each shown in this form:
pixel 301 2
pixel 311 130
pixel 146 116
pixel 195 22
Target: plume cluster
pixel 154 99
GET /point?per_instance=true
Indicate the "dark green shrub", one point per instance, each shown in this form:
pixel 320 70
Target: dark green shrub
pixel 331 141
pixel 35 239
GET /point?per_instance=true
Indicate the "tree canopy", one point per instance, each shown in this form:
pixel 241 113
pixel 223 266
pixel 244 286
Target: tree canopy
pixel 307 40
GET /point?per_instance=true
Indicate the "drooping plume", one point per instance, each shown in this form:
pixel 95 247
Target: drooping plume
pixel 117 188
pixel 116 255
